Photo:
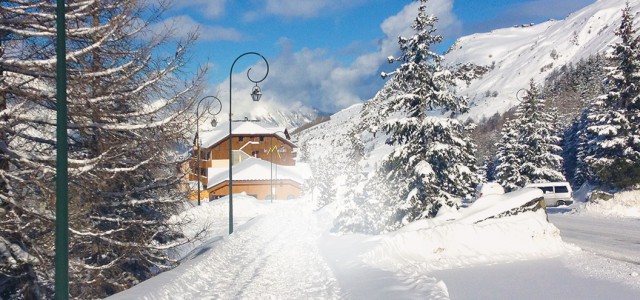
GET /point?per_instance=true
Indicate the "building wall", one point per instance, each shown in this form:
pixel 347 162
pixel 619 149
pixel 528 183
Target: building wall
pixel 204 195
pixel 263 150
pixel 270 148
pixel 259 189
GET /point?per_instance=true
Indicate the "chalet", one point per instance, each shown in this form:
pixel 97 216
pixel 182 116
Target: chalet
pixel 263 159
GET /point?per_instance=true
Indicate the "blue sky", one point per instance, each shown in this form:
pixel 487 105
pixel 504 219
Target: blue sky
pixel 328 54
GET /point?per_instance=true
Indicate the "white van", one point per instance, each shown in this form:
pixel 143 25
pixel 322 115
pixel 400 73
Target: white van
pixel 555 193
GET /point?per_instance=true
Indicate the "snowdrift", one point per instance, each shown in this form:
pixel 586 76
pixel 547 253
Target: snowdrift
pixel 625 204
pixel 494 229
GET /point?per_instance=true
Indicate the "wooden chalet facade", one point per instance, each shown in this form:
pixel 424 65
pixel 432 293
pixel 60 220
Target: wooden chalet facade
pixel 263 163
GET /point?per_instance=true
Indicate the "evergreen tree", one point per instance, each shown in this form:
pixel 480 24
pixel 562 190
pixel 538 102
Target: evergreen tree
pixel 373 114
pixel 324 175
pixel 570 150
pixel 577 148
pixel 126 108
pixel 353 215
pixel 615 121
pixel 508 161
pixel 433 163
pixel 538 140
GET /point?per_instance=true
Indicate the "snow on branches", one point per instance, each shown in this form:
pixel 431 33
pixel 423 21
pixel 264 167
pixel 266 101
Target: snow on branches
pixel 126 109
pixel 432 164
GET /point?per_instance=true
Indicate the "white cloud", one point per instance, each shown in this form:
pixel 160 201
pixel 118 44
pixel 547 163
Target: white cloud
pixel 209 8
pixel 311 77
pixel 299 8
pixel 182 25
pixel 448 24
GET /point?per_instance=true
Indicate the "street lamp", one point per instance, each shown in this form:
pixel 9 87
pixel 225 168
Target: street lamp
pixel 196 141
pixel 255 95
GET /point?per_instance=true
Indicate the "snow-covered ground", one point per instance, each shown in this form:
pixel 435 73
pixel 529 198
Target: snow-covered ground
pixel 285 250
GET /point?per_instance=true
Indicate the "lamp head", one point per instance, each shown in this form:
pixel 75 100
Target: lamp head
pixel 256 93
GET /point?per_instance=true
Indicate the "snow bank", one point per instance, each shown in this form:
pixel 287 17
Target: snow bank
pixel 484 233
pixel 624 204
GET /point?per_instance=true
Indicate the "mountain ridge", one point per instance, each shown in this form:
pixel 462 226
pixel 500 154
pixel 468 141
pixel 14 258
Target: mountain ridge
pixel 517 54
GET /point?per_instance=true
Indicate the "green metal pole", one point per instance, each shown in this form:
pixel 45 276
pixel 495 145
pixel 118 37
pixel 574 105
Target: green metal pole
pixel 62 172
pixel 230 129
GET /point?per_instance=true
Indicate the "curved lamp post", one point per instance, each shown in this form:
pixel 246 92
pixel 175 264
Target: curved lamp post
pixel 196 142
pixel 255 95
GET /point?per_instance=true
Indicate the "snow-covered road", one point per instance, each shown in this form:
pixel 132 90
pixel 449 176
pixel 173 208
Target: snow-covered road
pixel 269 257
pixel 616 238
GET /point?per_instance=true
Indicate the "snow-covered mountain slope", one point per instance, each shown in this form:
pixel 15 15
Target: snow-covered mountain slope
pixel 330 139
pixel 516 55
pixel 289 117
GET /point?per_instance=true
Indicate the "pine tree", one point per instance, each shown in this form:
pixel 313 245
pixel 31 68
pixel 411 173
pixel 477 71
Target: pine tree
pixel 324 174
pixel 508 161
pixel 373 114
pixel 571 150
pixel 538 140
pixel 615 121
pixel 577 149
pixel 127 108
pixel 433 163
pixel 354 210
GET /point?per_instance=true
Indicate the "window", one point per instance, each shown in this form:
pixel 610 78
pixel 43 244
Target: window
pixel 262 138
pixel 546 189
pixel 203 172
pixel 562 189
pixel 240 138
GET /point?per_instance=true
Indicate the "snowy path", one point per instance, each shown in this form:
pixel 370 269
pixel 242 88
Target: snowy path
pixel 615 238
pixel 270 257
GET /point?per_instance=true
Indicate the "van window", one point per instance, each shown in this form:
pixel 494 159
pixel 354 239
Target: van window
pixel 546 189
pixel 562 189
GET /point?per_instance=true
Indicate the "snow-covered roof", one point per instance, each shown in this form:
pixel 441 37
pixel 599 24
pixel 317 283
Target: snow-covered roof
pixel 221 132
pixel 255 169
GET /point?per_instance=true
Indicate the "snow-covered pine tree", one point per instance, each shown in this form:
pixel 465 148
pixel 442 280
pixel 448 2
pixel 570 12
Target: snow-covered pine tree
pixel 126 106
pixel 353 211
pixel 578 146
pixel 433 163
pixel 571 149
pixel 508 161
pixel 538 140
pixel 373 116
pixel 324 175
pixel 615 123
